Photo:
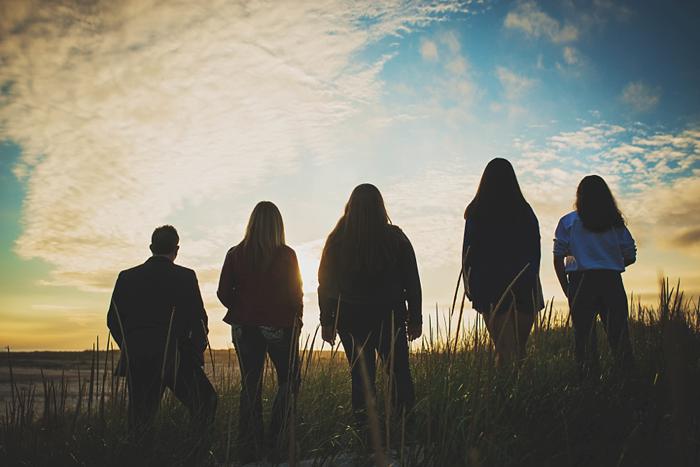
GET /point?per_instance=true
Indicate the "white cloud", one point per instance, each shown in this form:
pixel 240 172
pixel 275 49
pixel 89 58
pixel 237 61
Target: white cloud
pixel 640 96
pixel 457 66
pixel 451 40
pixel 514 85
pixel 131 113
pixel 528 18
pixel 429 50
pixel 571 56
pixel 654 177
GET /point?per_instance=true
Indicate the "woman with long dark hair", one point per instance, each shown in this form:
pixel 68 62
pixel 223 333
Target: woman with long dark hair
pixel 592 247
pixel 370 293
pixel 261 287
pixel 501 260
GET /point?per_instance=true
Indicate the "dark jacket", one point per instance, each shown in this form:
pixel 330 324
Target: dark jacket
pixel 144 300
pixel 272 297
pixel 493 253
pixel 396 287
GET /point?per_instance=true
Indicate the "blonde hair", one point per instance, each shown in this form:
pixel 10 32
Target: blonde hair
pixel 264 235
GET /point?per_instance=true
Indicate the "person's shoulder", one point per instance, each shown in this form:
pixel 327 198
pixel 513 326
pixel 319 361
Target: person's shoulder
pixel 569 219
pixel 397 233
pixel 183 271
pixel 126 273
pixel 287 252
pixel 233 251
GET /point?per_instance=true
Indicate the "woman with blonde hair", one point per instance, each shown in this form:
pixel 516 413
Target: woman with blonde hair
pixel 261 287
pixel 370 293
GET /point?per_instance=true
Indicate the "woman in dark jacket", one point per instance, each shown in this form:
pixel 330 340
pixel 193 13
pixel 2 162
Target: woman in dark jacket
pixel 369 291
pixel 260 285
pixel 501 260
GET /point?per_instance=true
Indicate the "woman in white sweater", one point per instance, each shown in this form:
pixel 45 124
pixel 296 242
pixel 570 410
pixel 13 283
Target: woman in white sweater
pixel 592 247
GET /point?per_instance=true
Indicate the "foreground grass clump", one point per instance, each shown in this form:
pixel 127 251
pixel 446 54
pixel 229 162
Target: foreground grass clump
pixel 467 413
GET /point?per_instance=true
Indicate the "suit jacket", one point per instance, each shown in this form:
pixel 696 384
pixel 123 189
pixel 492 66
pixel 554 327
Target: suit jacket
pixel 145 300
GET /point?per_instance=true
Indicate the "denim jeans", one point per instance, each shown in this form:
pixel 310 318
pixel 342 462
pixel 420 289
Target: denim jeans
pixel 252 344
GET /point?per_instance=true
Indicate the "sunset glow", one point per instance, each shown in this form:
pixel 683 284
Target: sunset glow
pixel 122 116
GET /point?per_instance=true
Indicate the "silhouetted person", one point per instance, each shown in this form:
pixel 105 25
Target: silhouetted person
pixel 368 275
pixel 592 247
pixel 501 260
pixel 158 319
pixel 261 287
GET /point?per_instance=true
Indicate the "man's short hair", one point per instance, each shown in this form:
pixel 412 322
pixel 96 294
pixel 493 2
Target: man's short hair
pixel 164 240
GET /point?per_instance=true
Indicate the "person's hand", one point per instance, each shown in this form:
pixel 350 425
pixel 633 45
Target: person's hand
pixel 415 330
pixel 328 334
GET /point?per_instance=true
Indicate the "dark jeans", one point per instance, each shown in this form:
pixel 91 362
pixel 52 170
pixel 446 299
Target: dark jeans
pixel 364 338
pixel 599 292
pixel 252 344
pixel 188 382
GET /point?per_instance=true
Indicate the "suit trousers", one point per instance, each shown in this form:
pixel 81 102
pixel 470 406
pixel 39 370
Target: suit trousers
pixel 183 375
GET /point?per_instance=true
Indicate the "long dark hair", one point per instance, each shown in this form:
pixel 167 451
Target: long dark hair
pixel 596 205
pixel 362 233
pixel 499 196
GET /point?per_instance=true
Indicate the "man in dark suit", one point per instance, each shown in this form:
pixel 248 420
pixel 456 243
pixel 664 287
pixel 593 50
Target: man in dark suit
pixel 157 317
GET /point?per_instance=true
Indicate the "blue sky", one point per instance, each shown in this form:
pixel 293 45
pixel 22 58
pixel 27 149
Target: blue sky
pixel 127 115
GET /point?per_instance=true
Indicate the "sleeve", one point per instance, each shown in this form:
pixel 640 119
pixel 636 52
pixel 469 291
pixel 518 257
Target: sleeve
pixel 535 246
pixel 627 245
pixel 200 321
pixel 327 301
pixel 113 319
pixel 467 255
pixel 561 240
pixel 466 244
pixel 225 290
pixel 411 281
pixel 296 286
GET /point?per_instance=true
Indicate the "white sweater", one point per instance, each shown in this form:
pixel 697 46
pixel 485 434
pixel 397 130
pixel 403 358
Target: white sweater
pixel 586 250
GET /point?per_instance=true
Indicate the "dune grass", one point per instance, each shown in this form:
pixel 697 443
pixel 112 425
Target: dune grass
pixel 468 412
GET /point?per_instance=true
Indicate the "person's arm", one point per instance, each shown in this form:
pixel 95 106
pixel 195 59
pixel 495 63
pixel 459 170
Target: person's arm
pixel 560 251
pixel 327 304
pixel 199 321
pixel 113 320
pixel 560 270
pixel 296 286
pixel 535 246
pixel 628 247
pixel 225 290
pixel 412 287
pixel 467 256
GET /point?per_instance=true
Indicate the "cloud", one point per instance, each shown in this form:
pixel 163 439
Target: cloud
pixel 429 207
pixel 429 50
pixel 528 18
pixel 690 237
pixel 571 56
pixel 655 177
pixel 132 113
pixel 640 96
pixel 514 85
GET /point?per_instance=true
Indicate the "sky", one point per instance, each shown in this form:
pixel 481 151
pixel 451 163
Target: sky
pixel 119 116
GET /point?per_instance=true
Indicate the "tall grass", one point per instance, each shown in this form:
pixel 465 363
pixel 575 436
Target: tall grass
pixel 468 411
